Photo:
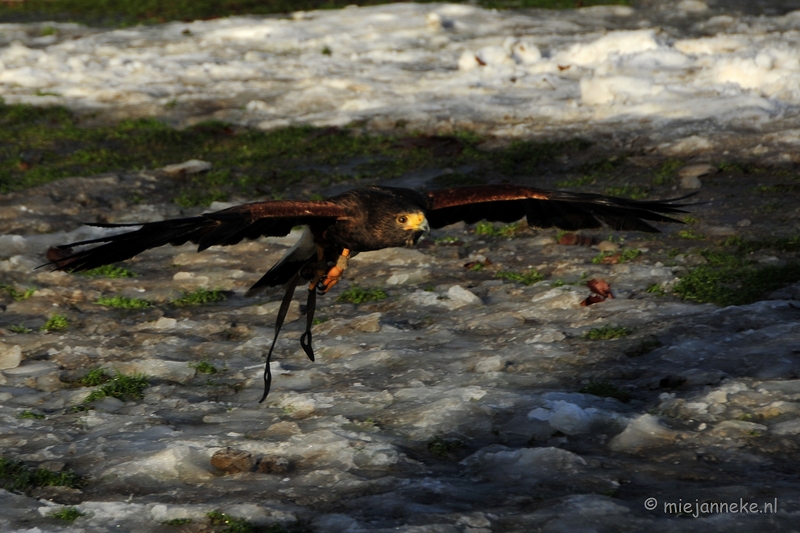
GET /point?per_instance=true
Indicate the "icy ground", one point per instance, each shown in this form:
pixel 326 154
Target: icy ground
pixel 598 71
pixel 452 406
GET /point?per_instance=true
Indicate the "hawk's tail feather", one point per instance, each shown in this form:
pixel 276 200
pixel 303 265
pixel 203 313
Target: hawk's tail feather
pixel 303 251
pixel 281 273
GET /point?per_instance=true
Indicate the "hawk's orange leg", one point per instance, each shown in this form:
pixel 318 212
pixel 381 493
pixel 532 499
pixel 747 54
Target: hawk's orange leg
pixel 335 273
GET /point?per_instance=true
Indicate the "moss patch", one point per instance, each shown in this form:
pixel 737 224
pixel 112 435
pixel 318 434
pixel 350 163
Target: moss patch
pixel 31 415
pixel 727 279
pixel 68 514
pixel 41 144
pixel 199 297
pixel 442 448
pixel 526 278
pixel 204 367
pixel 607 332
pixel 605 390
pixel 108 271
pixel 16 476
pixel 358 295
pixel 120 387
pixel 231 524
pixel 15 294
pixel 131 12
pixel 123 302
pixel 55 323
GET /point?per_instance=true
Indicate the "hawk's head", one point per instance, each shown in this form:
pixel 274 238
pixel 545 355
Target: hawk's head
pixel 386 217
pixel 413 224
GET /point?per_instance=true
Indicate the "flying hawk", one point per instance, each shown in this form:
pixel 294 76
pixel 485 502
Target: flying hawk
pixel 362 220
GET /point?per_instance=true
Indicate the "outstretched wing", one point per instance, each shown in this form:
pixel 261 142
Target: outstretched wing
pixel 226 227
pixel 545 209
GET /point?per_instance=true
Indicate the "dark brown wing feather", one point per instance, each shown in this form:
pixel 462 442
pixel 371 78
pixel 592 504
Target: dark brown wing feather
pixel 226 227
pixel 544 208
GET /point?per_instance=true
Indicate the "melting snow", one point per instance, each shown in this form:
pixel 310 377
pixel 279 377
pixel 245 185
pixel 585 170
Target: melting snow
pixel 514 73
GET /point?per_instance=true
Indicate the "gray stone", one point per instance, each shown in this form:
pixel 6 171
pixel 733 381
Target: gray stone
pixel 460 297
pixel 790 427
pixel 10 355
pixel 641 433
pixel 690 182
pixel 696 171
pixel 192 166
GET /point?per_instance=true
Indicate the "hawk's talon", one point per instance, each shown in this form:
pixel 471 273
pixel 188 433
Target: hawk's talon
pixel 335 273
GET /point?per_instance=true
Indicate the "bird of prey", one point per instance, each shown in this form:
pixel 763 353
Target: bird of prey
pixel 362 220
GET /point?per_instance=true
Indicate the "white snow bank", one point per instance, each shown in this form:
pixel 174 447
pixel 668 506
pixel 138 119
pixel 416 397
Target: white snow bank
pixel 434 64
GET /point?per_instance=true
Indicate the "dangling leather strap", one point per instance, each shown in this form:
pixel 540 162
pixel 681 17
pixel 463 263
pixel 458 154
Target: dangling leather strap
pixel 287 299
pixel 305 339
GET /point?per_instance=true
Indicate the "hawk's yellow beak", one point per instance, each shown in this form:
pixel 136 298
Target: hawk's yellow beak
pixel 417 222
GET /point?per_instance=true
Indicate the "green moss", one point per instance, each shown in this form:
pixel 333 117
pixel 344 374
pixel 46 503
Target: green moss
pixel 779 244
pixel 31 415
pixel 589 179
pixel 95 377
pixel 251 159
pixel 735 167
pixel 526 278
pixel 605 390
pixel 16 476
pixel 177 521
pixel 199 297
pixel 627 191
pixel 131 12
pixel 120 387
pixel 18 328
pixel 507 230
pixel 204 367
pixel 549 4
pixel 232 524
pixel 667 171
pixel 108 271
pixel 55 323
pixel 768 207
pixel 607 332
pixel 442 448
pixel 622 256
pixel 191 198
pixel 690 234
pixel 603 166
pixel 458 180
pixel 15 294
pixel 68 514
pixel 357 295
pixel 644 347
pixel 123 302
pixel 656 289
pixel 729 280
pixel 524 157
pixel 484 228
pixel 246 163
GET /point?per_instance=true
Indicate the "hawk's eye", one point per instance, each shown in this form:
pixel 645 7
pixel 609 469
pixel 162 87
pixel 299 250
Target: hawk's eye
pixel 402 219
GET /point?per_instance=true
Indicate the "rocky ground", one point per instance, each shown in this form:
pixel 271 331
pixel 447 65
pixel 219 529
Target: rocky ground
pixel 462 401
pixel 459 386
